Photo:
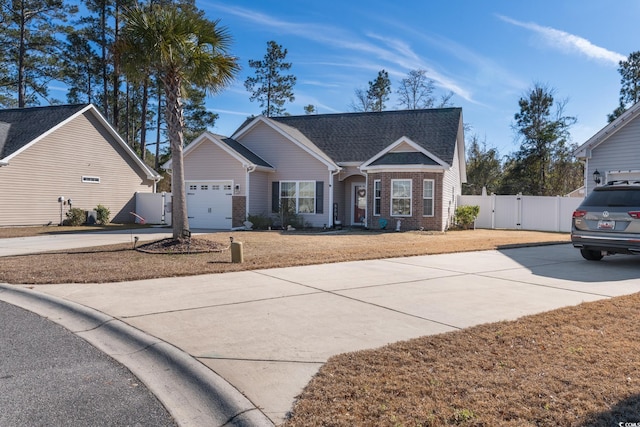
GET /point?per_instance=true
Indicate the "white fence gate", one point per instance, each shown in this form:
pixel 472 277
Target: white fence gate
pixel 155 208
pixel 537 213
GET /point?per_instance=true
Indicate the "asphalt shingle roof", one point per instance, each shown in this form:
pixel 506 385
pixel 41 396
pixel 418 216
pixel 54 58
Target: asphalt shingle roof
pixel 244 151
pixel 20 126
pixel 407 158
pixel 357 137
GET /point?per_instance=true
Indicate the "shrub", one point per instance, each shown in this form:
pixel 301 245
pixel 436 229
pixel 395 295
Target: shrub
pixel 102 215
pixel 287 216
pixel 466 215
pixel 75 217
pixel 260 222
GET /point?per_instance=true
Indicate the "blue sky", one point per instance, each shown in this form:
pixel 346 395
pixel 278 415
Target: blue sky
pixel 489 53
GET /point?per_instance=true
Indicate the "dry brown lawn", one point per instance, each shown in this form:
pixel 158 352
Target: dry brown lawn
pixel 261 249
pixel 577 366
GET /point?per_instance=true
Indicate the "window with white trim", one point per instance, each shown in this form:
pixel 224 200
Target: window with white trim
pixel 377 197
pixel 427 197
pixel 400 197
pixel 91 179
pixel 300 196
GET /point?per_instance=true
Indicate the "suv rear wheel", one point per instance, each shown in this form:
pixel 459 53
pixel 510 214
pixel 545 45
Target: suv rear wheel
pixel 591 255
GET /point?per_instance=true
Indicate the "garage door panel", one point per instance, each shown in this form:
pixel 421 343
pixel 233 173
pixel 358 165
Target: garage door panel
pixel 209 204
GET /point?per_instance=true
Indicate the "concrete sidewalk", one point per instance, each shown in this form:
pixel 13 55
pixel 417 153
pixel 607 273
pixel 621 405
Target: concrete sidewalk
pixel 267 332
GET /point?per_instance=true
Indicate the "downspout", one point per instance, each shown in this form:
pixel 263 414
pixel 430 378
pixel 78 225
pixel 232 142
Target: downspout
pixel 366 200
pixel 331 190
pixel 250 169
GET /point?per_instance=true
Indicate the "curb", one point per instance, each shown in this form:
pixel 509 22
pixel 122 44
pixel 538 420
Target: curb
pixel 192 393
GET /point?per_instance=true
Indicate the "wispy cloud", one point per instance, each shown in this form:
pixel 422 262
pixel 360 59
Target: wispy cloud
pixel 319 83
pixel 231 112
pixel 393 51
pixel 567 42
pixel 405 57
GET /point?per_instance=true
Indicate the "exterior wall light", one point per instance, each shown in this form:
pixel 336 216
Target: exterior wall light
pixel 596 177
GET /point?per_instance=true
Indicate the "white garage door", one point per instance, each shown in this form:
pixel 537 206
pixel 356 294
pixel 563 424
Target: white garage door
pixel 209 204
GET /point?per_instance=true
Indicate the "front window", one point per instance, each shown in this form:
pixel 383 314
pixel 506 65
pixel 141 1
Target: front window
pixel 427 197
pixel 299 196
pixel 377 197
pixel 400 197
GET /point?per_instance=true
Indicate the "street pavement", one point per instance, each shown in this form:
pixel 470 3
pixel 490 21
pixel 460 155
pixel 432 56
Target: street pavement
pixel 267 332
pixel 50 377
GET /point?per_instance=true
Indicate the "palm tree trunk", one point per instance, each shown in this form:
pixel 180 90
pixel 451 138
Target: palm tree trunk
pixel 175 124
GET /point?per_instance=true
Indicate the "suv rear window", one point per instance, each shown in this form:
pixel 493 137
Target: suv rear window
pixel 614 197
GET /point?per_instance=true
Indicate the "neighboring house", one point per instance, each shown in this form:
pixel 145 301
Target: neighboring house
pixel 352 169
pixel 70 152
pixel 614 152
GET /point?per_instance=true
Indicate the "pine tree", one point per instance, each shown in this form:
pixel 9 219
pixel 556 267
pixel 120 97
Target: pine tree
pixel 30 42
pixel 630 84
pixel 379 91
pixel 544 132
pixel 269 86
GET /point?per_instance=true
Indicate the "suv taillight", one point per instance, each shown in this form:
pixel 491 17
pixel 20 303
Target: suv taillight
pixel 580 214
pixel 634 214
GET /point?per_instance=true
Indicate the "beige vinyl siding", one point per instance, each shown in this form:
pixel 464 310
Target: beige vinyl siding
pixel 451 188
pixel 259 203
pixel 54 167
pixel 621 151
pixel 210 162
pixel 291 162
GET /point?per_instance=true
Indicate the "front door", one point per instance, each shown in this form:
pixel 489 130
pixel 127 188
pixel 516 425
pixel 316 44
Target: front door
pixel 359 206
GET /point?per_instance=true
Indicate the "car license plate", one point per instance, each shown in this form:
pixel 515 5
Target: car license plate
pixel 606 225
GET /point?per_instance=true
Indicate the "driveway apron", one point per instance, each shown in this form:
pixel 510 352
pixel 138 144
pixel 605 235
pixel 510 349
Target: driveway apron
pixel 267 332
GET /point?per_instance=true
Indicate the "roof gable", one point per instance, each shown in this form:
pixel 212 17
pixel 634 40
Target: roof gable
pixel 584 150
pixel 231 146
pixel 356 137
pixel 291 133
pixel 22 127
pixel 406 153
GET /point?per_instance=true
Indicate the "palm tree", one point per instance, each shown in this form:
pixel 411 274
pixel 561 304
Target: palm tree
pixel 180 47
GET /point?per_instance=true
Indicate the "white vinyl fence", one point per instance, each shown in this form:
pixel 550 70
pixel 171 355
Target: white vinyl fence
pixel 523 212
pixel 155 208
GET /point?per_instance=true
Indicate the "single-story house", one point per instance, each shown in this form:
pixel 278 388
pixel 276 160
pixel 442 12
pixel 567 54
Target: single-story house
pixel 614 152
pixel 354 169
pixel 61 156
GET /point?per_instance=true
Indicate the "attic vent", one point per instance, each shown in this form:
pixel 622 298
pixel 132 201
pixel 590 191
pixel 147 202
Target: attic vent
pixel 91 179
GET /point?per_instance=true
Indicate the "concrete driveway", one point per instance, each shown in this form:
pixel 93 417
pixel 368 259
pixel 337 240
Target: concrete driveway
pixel 68 240
pixel 267 332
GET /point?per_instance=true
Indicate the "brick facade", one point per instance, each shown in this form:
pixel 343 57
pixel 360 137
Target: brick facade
pixel 238 210
pixel 417 220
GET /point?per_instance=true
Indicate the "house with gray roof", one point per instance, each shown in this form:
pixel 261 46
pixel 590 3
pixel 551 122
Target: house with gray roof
pixel 377 170
pixel 56 157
